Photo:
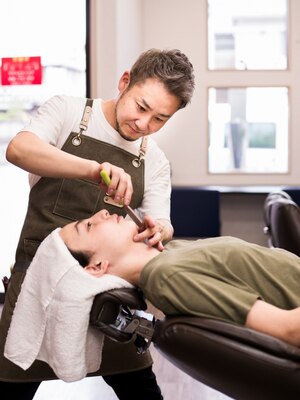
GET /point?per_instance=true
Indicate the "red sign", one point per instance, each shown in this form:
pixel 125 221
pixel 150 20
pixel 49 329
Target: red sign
pixel 21 71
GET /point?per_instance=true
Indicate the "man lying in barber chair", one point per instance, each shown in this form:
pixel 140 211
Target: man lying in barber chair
pixel 224 278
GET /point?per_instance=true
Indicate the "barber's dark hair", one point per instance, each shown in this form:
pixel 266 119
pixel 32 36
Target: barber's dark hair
pixel 171 67
pixel 81 257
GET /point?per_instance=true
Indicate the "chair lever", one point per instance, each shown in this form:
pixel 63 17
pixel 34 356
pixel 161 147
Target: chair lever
pixel 142 325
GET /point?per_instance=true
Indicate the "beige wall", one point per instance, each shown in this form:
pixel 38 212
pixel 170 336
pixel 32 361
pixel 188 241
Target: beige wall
pixel 242 216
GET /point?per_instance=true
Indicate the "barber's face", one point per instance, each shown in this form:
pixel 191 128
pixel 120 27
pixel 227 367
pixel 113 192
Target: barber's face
pixel 103 234
pixel 144 108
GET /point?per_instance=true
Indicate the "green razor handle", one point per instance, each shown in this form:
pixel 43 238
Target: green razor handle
pixel 106 179
pixel 136 219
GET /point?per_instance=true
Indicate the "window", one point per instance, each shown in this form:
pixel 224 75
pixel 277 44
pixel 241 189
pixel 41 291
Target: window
pixel 248 129
pixel 247 34
pixel 56 32
pixel 248 114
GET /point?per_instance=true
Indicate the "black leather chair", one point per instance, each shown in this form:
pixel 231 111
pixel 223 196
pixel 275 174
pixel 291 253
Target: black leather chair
pixel 282 221
pixel 237 361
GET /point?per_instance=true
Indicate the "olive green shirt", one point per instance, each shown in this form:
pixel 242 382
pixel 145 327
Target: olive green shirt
pixel 220 278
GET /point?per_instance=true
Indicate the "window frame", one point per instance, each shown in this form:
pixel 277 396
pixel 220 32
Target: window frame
pixel 256 78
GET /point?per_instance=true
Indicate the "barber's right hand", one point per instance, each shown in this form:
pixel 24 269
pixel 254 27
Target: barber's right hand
pixel 120 188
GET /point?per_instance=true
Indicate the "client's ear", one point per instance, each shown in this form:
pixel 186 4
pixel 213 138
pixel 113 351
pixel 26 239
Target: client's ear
pixel 97 270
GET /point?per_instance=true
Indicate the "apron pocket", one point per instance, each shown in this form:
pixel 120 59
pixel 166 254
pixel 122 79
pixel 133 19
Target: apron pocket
pixel 77 199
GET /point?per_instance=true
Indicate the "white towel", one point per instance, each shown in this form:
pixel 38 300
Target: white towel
pixel 51 317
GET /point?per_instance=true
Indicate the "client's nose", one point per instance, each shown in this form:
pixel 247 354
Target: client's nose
pixel 102 214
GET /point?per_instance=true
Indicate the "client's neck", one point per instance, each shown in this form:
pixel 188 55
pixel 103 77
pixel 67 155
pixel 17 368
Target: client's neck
pixel 135 262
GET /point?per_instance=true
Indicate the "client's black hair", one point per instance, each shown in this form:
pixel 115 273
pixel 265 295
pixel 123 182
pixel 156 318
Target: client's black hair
pixel 81 257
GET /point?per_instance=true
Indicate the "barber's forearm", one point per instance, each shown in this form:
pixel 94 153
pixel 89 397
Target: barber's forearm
pixel 30 153
pixel 167 230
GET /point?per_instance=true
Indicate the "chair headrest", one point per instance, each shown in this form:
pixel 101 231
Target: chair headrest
pixel 282 220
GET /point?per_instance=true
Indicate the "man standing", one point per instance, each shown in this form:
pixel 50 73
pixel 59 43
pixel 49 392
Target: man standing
pixel 64 148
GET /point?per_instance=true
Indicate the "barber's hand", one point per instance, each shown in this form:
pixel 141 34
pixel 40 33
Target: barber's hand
pixel 152 233
pixel 120 188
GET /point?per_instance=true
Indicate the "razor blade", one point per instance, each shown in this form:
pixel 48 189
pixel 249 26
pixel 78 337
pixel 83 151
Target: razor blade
pixel 135 218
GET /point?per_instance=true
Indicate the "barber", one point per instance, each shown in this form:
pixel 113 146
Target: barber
pixel 64 148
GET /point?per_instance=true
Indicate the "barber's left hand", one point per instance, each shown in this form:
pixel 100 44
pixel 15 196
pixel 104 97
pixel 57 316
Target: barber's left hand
pixel 151 233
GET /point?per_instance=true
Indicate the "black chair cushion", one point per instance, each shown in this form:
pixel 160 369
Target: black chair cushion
pixel 282 219
pixel 232 359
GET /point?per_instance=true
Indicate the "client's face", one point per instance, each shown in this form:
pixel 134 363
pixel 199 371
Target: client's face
pixel 103 234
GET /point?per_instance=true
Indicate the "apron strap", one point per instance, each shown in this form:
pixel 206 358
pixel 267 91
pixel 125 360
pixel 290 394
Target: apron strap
pixel 86 115
pixel 84 122
pixel 83 127
pixel 142 152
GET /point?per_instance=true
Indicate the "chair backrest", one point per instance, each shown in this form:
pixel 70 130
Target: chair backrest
pixel 282 221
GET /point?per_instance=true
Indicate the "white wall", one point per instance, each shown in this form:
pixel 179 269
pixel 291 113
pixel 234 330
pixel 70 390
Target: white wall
pixel 125 28
pixel 176 24
pixel 116 42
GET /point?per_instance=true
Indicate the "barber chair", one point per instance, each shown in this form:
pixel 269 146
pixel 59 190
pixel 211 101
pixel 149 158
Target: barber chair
pixel 237 361
pixel 282 221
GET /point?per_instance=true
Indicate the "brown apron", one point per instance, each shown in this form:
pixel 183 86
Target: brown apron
pixel 63 201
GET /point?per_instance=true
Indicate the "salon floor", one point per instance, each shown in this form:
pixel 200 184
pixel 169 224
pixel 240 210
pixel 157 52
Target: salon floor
pixel 175 385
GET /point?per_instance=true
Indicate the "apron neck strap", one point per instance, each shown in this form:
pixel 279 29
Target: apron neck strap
pixel 142 152
pixel 143 147
pixel 83 125
pixel 86 115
